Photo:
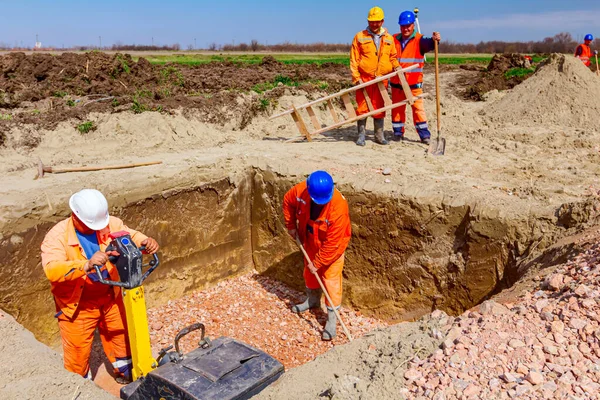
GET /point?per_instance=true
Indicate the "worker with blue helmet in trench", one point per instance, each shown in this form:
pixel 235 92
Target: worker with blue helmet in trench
pixel 317 213
pixel 411 47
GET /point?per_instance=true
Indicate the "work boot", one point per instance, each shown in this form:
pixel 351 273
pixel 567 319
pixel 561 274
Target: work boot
pixel 398 135
pixel 329 331
pixel 313 300
pixel 361 125
pixel 379 136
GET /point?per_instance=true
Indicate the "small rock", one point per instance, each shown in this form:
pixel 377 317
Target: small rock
pixel 516 343
pixel 387 171
pixel 508 377
pixel 412 374
pixel 535 378
pixel 157 326
pixel 387 181
pixel 554 282
pixel 471 390
pixel 557 327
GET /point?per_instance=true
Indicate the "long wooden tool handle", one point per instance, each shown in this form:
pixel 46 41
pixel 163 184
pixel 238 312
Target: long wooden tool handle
pixel 437 85
pixel 337 315
pixel 597 68
pixel 99 168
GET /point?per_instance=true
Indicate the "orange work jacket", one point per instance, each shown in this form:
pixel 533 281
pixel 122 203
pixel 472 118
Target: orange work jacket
pixel 409 56
pixel 366 62
pixel 586 54
pixel 331 231
pixel 63 259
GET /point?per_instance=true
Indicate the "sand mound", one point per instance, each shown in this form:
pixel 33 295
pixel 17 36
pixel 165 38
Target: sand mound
pixel 562 92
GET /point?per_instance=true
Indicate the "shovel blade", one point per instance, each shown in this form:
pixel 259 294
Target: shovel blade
pixel 437 147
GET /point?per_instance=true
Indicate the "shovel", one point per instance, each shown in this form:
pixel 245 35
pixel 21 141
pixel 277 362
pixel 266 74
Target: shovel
pixel 597 68
pixel 437 147
pixel 337 314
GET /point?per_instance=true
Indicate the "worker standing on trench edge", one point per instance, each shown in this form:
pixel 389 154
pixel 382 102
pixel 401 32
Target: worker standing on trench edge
pixel 584 51
pixel 69 252
pixel 411 47
pixel 317 213
pixel 372 54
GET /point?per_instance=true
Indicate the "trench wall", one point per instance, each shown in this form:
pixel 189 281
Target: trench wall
pixel 405 258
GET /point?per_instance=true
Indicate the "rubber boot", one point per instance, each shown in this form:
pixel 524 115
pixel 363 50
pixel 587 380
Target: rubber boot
pixel 329 331
pixel 379 136
pixel 313 300
pixel 398 135
pixel 361 125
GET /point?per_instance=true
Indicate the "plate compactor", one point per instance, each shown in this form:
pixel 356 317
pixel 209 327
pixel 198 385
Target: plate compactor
pixel 222 369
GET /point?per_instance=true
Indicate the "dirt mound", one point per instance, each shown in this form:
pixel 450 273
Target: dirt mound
pixel 44 89
pixel 31 370
pixel 371 367
pixel 562 92
pixel 499 75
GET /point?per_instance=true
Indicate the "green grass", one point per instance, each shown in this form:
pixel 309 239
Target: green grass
pixel 59 94
pixel 86 127
pixel 303 58
pixel 71 103
pixel 518 72
pixel 285 80
pixel 5 117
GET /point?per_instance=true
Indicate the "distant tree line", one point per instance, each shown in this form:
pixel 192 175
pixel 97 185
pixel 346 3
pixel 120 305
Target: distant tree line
pixel 559 43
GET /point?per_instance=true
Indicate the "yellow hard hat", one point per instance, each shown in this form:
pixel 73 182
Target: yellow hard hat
pixel 375 14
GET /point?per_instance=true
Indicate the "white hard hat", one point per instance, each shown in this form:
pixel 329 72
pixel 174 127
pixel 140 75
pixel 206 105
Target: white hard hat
pixel 91 207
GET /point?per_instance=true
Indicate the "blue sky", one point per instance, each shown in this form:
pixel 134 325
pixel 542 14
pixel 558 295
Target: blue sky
pixel 61 22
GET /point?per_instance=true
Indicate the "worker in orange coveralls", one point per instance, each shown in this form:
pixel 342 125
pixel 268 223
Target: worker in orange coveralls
pixel 411 47
pixel 318 214
pixel 69 252
pixel 584 51
pixel 373 54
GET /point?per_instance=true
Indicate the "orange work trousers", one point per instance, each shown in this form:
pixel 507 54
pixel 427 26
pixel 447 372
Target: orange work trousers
pixel 399 113
pixel 374 95
pixel 108 315
pixel 331 276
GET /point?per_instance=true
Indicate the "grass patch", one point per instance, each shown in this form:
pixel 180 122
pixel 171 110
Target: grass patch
pixel 263 104
pixel 284 80
pixel 5 117
pixel 518 72
pixel 86 127
pixel 71 103
pixel 172 74
pixel 138 106
pixel 59 94
pixel 115 103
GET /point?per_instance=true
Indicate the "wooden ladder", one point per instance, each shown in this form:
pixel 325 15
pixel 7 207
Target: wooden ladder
pixel 345 96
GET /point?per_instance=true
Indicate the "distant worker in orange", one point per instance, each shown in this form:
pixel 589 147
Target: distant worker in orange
pixel 69 252
pixel 318 214
pixel 584 51
pixel 411 47
pixel 373 54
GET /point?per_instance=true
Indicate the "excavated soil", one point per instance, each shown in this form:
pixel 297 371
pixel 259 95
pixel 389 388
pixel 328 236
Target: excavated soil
pixel 494 78
pixel 435 233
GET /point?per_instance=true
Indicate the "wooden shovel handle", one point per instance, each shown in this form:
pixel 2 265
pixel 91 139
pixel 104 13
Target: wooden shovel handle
pixel 437 84
pixel 98 168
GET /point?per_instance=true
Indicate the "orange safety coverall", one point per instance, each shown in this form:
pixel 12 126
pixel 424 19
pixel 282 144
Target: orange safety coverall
pixel 367 63
pixel 584 52
pixel 325 240
pixel 82 304
pixel 410 55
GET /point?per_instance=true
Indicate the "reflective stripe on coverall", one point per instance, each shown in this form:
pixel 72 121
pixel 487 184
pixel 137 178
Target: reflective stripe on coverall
pixel 584 52
pixel 367 63
pixel 410 55
pixel 325 240
pixel 81 304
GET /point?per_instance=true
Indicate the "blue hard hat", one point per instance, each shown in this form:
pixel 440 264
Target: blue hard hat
pixel 320 187
pixel 588 37
pixel 406 18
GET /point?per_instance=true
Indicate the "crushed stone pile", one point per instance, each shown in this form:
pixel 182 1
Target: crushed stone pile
pixel 562 92
pixel 545 344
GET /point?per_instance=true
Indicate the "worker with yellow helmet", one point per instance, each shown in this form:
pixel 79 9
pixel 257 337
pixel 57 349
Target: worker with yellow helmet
pixel 373 54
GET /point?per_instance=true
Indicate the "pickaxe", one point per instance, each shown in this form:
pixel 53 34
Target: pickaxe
pixel 42 169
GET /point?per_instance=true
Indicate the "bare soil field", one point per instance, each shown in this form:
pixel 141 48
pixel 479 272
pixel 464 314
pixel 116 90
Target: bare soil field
pixel 519 178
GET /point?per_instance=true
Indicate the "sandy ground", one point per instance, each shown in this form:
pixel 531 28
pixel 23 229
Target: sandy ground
pixel 498 157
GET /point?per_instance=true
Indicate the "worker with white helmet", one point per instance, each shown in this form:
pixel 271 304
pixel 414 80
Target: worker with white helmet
pixel 69 252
